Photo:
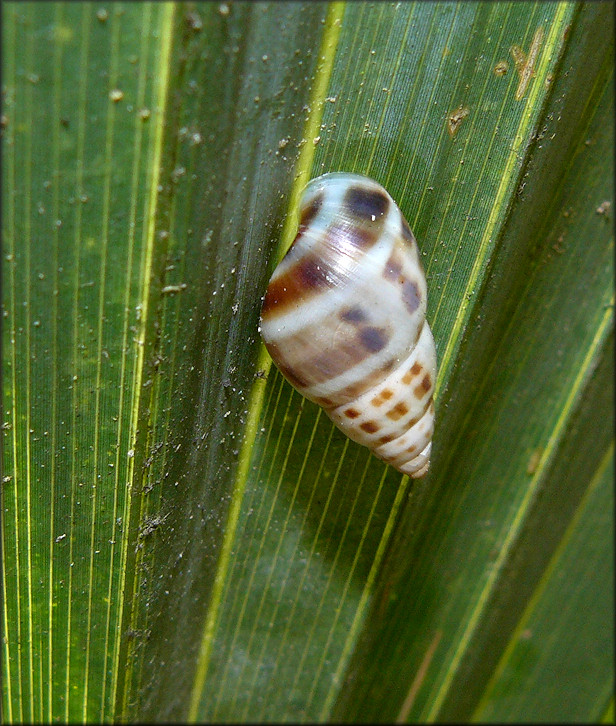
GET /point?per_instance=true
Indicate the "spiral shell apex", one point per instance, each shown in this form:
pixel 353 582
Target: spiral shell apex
pixel 344 319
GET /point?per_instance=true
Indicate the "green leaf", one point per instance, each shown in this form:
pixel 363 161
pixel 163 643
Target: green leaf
pixel 184 537
pixel 80 163
pixel 570 611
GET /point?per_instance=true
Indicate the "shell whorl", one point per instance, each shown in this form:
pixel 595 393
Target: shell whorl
pixel 344 319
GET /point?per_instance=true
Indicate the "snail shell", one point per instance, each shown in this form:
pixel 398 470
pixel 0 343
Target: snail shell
pixel 344 319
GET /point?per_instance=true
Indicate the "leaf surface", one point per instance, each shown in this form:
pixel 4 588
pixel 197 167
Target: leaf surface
pixel 184 537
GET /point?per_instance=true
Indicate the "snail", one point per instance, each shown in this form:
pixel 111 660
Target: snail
pixel 344 319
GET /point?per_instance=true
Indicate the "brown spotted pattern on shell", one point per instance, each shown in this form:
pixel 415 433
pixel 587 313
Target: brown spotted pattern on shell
pixel 344 319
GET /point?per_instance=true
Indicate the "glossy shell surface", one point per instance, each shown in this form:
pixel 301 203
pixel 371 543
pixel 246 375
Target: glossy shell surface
pixel 344 319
